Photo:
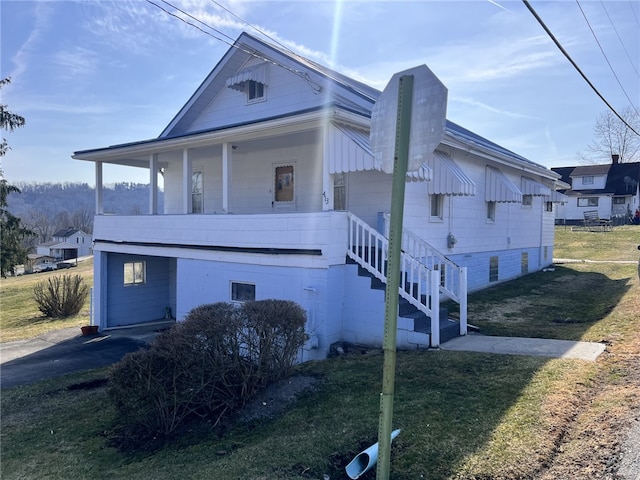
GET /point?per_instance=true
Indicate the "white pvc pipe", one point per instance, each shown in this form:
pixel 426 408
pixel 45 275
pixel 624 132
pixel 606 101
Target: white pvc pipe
pixel 365 460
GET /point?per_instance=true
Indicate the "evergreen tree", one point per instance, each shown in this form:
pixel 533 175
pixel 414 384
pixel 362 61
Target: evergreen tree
pixel 12 232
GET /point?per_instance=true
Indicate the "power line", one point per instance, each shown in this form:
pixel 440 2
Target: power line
pixel 619 38
pixel 605 56
pixel 231 43
pixel 252 26
pixel 564 52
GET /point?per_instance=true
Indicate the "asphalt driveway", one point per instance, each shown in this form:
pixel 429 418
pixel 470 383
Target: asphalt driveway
pixel 66 351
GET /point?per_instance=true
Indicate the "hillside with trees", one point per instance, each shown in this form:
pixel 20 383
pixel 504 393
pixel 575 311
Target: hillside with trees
pixel 47 207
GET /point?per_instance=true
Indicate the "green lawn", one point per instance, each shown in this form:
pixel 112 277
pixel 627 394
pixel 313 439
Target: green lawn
pixel 462 415
pixel 19 314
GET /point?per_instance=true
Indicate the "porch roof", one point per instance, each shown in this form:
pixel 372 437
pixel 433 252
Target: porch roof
pixel 499 188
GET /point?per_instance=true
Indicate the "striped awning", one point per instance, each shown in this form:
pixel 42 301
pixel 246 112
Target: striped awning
pixel 557 197
pixel 348 151
pixel 498 188
pixel 448 177
pixel 536 189
pixel 257 73
pixel 423 174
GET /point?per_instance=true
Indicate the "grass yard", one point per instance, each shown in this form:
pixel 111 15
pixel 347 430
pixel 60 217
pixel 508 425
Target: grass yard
pixel 462 415
pixel 19 314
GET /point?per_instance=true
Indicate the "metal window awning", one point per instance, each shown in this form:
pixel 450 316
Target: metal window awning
pixel 498 188
pixel 349 151
pixel 448 177
pixel 557 197
pixel 536 189
pixel 257 73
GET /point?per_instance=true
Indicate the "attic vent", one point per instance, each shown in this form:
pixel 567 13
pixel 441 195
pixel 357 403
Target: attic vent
pixel 257 73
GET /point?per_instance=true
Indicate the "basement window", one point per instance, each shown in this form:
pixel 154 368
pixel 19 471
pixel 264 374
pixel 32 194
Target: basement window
pixel 524 263
pixel 493 269
pixel 134 273
pixel 243 292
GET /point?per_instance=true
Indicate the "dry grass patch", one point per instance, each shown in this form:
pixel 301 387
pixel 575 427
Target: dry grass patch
pixel 20 317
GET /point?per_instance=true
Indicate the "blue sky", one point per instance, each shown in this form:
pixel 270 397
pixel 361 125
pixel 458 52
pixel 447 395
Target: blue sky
pixel 89 74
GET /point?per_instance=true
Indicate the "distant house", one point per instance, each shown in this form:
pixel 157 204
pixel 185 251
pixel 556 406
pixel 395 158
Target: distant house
pixel 67 244
pixel 272 191
pixel 613 190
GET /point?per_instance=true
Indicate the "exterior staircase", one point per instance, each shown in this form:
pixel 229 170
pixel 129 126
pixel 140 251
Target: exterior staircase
pixel 425 276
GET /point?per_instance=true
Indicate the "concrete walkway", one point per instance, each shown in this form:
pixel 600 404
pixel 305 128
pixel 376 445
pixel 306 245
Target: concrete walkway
pixel 538 347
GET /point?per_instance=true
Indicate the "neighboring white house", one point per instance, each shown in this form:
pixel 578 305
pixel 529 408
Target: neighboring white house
pixel 613 190
pixel 67 244
pixel 271 191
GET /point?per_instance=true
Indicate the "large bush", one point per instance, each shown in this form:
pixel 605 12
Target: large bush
pixel 207 365
pixel 60 297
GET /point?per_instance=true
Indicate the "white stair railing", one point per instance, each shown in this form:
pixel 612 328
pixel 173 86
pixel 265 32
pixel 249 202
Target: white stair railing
pixel 419 285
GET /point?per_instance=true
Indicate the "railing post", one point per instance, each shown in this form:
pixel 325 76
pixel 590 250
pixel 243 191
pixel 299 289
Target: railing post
pixel 463 301
pixel 434 294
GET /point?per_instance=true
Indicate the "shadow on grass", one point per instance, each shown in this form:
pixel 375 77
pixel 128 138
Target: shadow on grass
pixel 562 304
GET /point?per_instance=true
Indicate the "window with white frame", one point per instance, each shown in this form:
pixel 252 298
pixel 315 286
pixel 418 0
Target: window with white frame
pixel 340 191
pixel 588 202
pixel 587 180
pixel 527 200
pixel 255 91
pixel 135 273
pixel 619 200
pixel 493 269
pixel 197 191
pixel 548 206
pixel 491 211
pixel 243 292
pixel 437 202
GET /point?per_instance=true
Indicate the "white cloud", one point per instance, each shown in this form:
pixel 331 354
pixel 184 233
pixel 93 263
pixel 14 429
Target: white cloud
pixel 489 108
pixel 78 61
pixel 23 56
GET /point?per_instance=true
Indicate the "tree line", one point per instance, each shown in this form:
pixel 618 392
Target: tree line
pixel 46 208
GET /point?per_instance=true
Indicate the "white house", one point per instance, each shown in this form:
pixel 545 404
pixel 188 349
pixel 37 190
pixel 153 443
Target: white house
pixel 612 190
pixel 271 191
pixel 66 244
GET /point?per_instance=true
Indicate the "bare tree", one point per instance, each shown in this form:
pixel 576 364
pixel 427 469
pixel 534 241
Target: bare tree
pixel 612 137
pixel 42 224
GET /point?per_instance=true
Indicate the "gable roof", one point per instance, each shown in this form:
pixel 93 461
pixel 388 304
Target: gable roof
pixel 244 49
pixel 622 178
pixel 347 95
pixel 67 232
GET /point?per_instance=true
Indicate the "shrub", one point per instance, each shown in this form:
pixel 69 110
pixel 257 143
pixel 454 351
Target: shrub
pixel 208 365
pixel 61 297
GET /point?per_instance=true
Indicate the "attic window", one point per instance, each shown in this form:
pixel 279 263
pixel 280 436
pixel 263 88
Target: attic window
pixel 252 81
pixel 254 91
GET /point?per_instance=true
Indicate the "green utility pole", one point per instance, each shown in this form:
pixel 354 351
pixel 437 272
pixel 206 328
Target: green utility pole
pixel 400 161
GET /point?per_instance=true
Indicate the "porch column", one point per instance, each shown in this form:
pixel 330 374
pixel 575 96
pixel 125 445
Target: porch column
pixel 327 179
pixel 153 184
pixel 226 175
pixel 99 190
pixel 187 172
